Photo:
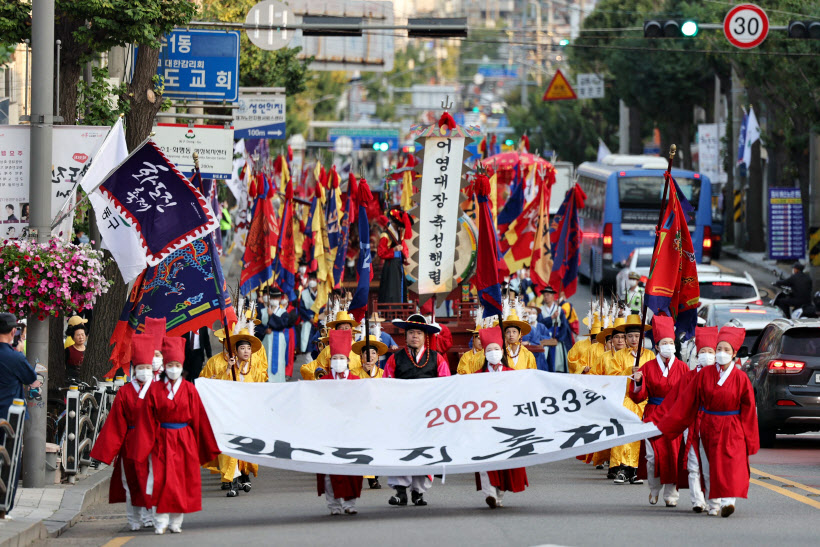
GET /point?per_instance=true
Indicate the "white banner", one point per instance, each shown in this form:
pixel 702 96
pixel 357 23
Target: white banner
pixel 213 143
pixel 710 159
pixel 438 215
pixel 457 424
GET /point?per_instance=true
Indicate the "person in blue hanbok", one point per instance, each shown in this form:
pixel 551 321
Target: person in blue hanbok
pixel 553 318
pixel 308 327
pixel 538 333
pixel 280 338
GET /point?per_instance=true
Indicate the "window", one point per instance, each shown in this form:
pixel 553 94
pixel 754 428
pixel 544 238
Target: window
pixel 802 342
pixel 726 290
pixel 646 192
pixel 752 313
pixel 765 341
pixel 644 260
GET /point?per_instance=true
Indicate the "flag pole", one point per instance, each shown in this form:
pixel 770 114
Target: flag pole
pixel 666 177
pixel 211 246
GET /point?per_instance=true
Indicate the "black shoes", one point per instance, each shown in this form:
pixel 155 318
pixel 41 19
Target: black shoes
pixel 418 498
pixel 400 497
pixel 374 483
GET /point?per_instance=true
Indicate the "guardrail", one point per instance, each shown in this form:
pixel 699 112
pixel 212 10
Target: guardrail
pixel 12 431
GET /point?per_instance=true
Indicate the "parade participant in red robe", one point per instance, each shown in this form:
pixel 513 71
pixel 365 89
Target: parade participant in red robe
pixel 494 483
pixel 121 437
pixel 414 362
pixel 182 441
pixel 688 464
pixel 341 491
pixel 727 433
pixel 654 380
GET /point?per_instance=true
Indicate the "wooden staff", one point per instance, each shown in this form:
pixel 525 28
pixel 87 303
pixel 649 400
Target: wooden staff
pixel 667 176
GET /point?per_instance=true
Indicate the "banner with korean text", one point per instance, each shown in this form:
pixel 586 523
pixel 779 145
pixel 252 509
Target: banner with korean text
pixel 458 424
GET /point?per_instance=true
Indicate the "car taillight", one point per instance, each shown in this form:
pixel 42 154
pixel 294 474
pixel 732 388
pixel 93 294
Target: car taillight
pixel 780 366
pixel 644 279
pixel 759 302
pixel 707 241
pixel 786 402
pixel 607 247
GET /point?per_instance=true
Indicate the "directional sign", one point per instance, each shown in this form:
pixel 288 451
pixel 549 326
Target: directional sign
pixel 213 143
pixel 199 65
pixel 746 26
pixel 365 137
pixel 787 231
pixel 260 117
pixel 589 86
pixel 559 89
pixel 270 12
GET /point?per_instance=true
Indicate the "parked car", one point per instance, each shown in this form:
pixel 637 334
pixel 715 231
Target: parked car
pixel 752 317
pixel 639 260
pixel 784 368
pixel 721 287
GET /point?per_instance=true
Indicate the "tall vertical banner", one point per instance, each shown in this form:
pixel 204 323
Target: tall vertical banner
pixel 438 219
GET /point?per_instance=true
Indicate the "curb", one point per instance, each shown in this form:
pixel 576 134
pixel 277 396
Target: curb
pixel 75 501
pixel 24 532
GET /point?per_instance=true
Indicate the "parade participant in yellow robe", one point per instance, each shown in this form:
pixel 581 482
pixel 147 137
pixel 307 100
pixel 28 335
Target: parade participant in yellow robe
pixel 578 355
pixel 606 338
pixel 248 364
pixel 624 459
pixel 519 357
pixel 473 359
pixel 343 321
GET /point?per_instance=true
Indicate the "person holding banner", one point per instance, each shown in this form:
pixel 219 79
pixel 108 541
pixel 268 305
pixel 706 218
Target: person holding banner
pixel 340 491
pixel 240 367
pixel 472 360
pixel 120 437
pixel 578 355
pixel 727 433
pixel 321 365
pixel 594 351
pixel 520 358
pixel 414 361
pixel 180 440
pixel 493 484
pixel 370 351
pixel 653 381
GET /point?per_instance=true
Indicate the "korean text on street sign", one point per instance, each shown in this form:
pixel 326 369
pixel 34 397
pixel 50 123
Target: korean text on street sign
pixel 559 89
pixel 746 26
pixel 213 143
pixel 199 65
pixel 589 86
pixel 260 117
pixel 364 137
pixel 787 232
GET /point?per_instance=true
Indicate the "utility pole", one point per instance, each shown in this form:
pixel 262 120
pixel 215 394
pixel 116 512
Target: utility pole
pixel 42 121
pixel 814 209
pixel 733 229
pixel 524 99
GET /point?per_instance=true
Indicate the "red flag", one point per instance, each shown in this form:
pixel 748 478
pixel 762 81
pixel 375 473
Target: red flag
pixel 488 261
pixel 261 238
pixel 541 261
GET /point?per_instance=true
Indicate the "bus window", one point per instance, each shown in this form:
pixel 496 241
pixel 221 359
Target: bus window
pixel 646 192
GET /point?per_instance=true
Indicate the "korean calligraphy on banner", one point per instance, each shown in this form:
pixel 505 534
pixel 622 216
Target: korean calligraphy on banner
pixel 73 147
pixel 457 424
pixel 438 215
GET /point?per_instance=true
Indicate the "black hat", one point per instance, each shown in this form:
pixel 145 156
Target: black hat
pixel 549 290
pixel 417 322
pixel 799 266
pixel 275 292
pixel 9 322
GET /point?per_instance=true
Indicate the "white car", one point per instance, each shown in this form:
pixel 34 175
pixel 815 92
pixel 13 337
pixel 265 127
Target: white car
pixel 733 289
pixel 639 261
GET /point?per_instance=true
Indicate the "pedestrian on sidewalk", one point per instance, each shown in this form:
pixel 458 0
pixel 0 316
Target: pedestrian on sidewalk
pixel 15 372
pixel 78 333
pixel 182 441
pixel 727 433
pixel 122 436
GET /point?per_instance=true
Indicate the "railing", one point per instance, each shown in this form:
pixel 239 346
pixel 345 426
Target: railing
pixel 12 431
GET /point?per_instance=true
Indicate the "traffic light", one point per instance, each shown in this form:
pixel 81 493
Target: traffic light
pixel 381 146
pixel 509 142
pixel 564 42
pixel 670 28
pixel 804 30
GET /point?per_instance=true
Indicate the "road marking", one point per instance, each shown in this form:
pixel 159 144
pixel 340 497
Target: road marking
pixel 792 495
pixel 785 481
pixel 120 541
pixel 722 268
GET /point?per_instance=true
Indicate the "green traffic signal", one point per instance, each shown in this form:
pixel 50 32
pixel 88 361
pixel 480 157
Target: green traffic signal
pixel 689 28
pixel 509 142
pixel 563 42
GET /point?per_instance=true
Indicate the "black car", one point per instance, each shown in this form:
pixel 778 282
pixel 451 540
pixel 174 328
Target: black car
pixel 784 368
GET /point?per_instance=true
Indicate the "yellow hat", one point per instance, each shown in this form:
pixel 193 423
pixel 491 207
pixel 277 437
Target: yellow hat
pixel 618 322
pixel 244 334
pixel 75 320
pixel 512 320
pixel 255 320
pixel 376 318
pixel 634 320
pixel 342 317
pixel 595 317
pixel 601 336
pixel 595 328
pixel 358 347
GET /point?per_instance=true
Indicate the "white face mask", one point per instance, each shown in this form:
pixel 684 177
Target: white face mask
pixel 173 372
pixel 302 269
pixel 494 356
pixel 143 375
pixel 265 299
pixel 532 320
pixel 723 358
pixel 156 364
pixel 312 283
pixel 284 303
pixel 338 365
pixel 706 359
pixel 633 282
pixel 667 350
pixel 275 302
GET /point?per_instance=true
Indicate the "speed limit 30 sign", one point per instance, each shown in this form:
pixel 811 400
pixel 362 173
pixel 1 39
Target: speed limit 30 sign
pixel 746 26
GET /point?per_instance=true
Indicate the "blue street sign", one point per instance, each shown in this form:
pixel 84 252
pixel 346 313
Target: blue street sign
pixel 199 65
pixel 365 138
pixel 260 117
pixel 498 71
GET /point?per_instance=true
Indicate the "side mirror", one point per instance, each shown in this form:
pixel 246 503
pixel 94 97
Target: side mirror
pixel 743 352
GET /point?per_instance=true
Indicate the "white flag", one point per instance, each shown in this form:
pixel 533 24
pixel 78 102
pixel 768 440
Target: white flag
pixel 603 151
pixel 235 183
pixel 752 136
pixel 118 235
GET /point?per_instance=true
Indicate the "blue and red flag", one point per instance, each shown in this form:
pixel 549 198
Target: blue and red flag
pixel 515 204
pixel 257 262
pixel 672 288
pixel 344 231
pixel 284 265
pixel 488 259
pixel 364 264
pixel 166 208
pixel 565 238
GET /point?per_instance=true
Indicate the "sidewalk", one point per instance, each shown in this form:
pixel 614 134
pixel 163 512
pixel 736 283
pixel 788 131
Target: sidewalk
pixel 757 260
pixel 48 512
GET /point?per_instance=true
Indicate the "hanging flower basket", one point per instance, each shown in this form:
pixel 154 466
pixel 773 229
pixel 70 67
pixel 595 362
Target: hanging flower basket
pixel 49 279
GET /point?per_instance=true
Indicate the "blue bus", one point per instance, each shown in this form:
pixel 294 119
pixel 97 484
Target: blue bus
pixel 621 212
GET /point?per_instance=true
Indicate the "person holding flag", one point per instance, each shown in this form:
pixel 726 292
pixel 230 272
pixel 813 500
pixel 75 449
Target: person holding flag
pixel 565 238
pixel 553 318
pixel 308 326
pixel 280 320
pixel 489 262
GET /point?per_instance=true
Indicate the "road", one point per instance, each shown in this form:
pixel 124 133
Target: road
pixel 568 503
